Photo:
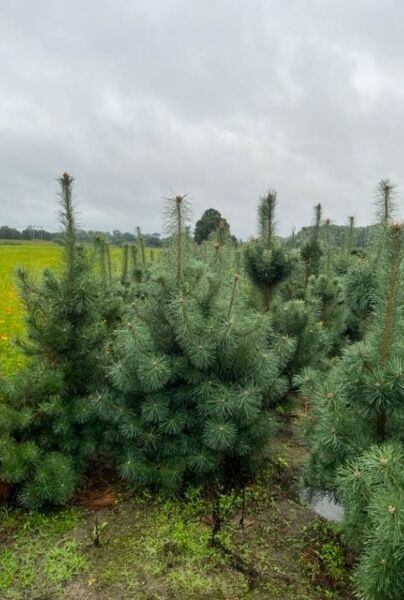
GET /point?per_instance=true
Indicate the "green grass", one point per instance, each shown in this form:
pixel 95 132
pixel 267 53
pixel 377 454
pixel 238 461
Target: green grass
pixel 35 256
pixel 40 554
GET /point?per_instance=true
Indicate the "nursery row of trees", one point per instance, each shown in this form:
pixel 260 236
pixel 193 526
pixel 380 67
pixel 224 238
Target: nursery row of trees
pixel 173 372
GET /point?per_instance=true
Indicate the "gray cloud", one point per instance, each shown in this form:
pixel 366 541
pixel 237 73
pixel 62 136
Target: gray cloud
pixel 220 99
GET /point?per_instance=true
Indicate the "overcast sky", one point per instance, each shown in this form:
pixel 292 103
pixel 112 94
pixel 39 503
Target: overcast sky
pixel 220 99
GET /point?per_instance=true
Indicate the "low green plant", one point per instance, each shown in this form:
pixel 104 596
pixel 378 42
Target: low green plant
pixel 325 556
pixel 41 553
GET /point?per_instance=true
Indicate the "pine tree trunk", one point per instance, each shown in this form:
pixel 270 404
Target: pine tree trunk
pixel 381 426
pixel 267 298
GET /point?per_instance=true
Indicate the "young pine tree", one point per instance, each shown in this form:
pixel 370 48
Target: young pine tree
pixel 299 320
pixel 371 488
pixel 192 377
pixel 361 401
pixel 311 251
pixel 356 434
pixel 48 431
pixel 327 292
pixel 359 290
pixel 267 261
pixel 361 274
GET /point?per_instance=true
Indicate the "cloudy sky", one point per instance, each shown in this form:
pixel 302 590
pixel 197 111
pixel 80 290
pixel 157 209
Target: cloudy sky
pixel 220 99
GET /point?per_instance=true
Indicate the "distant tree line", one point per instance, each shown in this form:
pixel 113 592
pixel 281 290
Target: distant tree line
pixel 211 223
pixel 29 233
pixel 339 236
pixel 117 237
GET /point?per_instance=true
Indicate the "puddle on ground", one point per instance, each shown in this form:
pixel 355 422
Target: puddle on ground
pixel 324 506
pixel 327 508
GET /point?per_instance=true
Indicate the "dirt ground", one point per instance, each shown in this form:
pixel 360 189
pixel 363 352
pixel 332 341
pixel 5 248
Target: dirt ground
pixel 121 546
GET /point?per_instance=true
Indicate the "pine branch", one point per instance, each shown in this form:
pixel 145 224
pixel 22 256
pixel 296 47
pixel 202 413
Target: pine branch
pixel 176 217
pixel 385 204
pixel 266 217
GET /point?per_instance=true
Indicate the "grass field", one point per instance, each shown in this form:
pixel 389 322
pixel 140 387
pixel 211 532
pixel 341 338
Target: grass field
pixel 35 256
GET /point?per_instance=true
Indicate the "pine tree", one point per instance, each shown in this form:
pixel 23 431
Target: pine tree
pixel 311 251
pixel 326 290
pixel 267 261
pixel 299 320
pixel 192 376
pixel 361 400
pixel 359 291
pixel 327 295
pixel 48 431
pixel 356 436
pixel 361 272
pixel 371 488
